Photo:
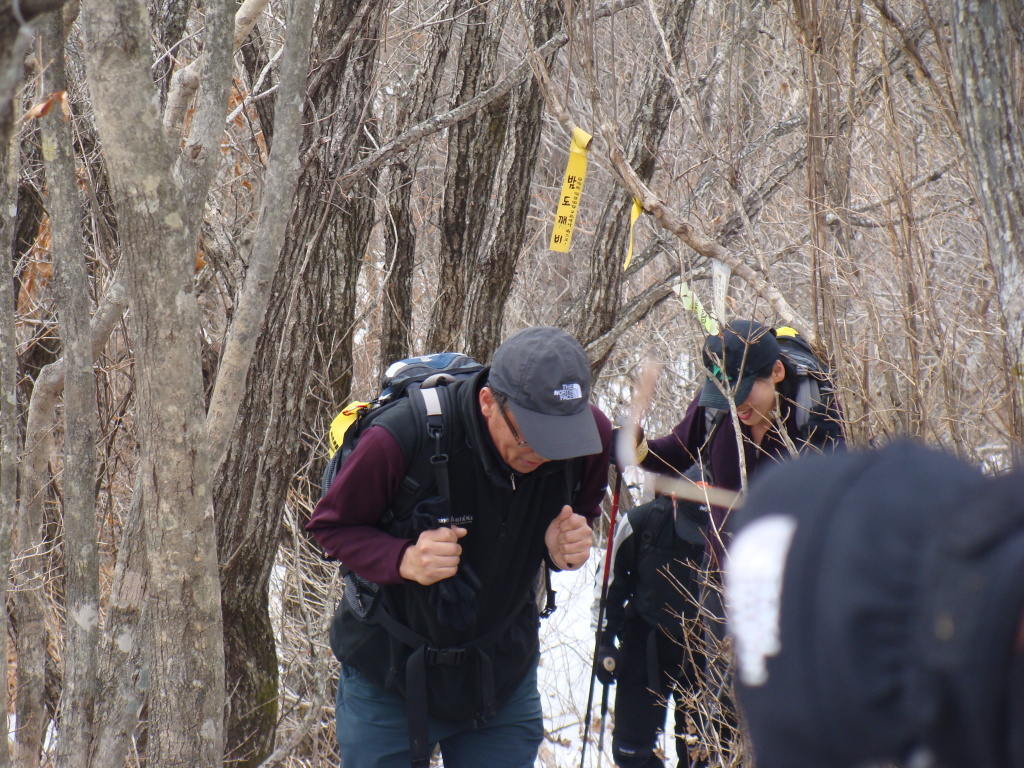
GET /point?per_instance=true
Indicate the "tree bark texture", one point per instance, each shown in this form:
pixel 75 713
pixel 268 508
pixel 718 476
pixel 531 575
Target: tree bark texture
pixel 398 217
pixel 474 146
pixel 31 636
pixel 158 207
pixel 8 414
pixel 992 116
pixel 71 290
pixel 497 258
pixel 325 243
pixel 124 676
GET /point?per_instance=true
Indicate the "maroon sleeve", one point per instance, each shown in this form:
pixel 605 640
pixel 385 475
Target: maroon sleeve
pixel 345 520
pixel 677 451
pixel 595 472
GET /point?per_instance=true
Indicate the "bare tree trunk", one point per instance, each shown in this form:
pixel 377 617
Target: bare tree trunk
pixel 990 113
pixel 398 223
pixel 474 146
pixel 497 259
pixel 326 238
pixel 29 600
pixel 81 577
pixel 123 677
pixel 159 208
pixel 344 227
pixel 8 409
pixel 28 578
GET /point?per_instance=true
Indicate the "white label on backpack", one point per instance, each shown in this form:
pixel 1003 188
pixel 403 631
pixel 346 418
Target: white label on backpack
pixel 753 592
pixel 395 368
pixel 569 392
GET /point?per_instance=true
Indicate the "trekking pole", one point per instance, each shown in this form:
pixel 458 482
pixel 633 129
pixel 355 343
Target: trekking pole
pixel 600 619
pixel 604 712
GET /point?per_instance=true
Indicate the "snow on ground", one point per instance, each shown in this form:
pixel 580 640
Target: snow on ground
pixel 567 649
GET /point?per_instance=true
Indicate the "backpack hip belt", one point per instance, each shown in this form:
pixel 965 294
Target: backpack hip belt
pixel 425 654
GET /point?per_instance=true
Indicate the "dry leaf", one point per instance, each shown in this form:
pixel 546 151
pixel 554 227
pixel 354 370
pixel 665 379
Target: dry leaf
pixel 42 108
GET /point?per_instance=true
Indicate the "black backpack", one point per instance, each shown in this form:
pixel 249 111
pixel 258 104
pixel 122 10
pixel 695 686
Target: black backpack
pixel 815 393
pixel 427 376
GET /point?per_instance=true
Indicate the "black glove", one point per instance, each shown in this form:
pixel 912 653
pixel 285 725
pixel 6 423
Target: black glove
pixel 454 598
pixel 607 664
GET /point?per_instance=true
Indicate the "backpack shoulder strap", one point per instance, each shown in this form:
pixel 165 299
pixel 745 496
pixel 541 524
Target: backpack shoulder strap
pixel 422 439
pixel 808 397
pixel 430 412
pixel 427 449
pixel 654 524
pixel 713 418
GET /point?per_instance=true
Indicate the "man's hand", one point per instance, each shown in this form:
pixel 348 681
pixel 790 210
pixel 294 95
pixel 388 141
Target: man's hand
pixel 434 556
pixel 569 540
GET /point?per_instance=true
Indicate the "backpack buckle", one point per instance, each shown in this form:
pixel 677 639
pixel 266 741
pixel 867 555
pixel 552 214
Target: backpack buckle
pixel 444 657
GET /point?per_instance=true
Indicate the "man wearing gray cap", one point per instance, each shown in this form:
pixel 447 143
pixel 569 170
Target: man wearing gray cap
pixel 439 645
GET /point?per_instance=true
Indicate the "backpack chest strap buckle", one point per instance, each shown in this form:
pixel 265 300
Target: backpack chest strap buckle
pixel 444 657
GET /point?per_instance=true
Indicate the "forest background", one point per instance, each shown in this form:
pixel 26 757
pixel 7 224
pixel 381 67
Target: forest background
pixel 223 219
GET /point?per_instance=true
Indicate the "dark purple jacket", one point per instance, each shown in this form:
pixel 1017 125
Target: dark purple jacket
pixel 345 521
pixel 677 451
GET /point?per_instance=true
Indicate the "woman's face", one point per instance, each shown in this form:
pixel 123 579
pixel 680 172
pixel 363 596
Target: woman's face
pixel 759 408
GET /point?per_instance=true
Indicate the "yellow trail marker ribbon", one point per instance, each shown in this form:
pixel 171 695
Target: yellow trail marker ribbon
pixel 634 214
pixel 572 187
pixel 692 303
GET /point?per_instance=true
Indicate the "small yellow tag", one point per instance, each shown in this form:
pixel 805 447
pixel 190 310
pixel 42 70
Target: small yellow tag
pixel 572 187
pixel 342 422
pixel 692 303
pixel 634 214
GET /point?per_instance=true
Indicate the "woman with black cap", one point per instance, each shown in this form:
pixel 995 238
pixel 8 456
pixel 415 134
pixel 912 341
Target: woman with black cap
pixel 747 367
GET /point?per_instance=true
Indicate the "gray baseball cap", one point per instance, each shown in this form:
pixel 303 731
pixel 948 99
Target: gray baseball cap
pixel 546 376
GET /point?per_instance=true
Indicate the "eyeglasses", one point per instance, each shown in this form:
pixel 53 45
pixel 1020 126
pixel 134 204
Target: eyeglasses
pixel 520 443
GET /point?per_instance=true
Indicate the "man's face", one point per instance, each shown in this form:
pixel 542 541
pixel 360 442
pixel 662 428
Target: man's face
pixel 501 424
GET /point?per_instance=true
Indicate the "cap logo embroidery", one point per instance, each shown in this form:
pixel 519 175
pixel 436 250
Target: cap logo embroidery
pixel 753 581
pixel 719 374
pixel 569 392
